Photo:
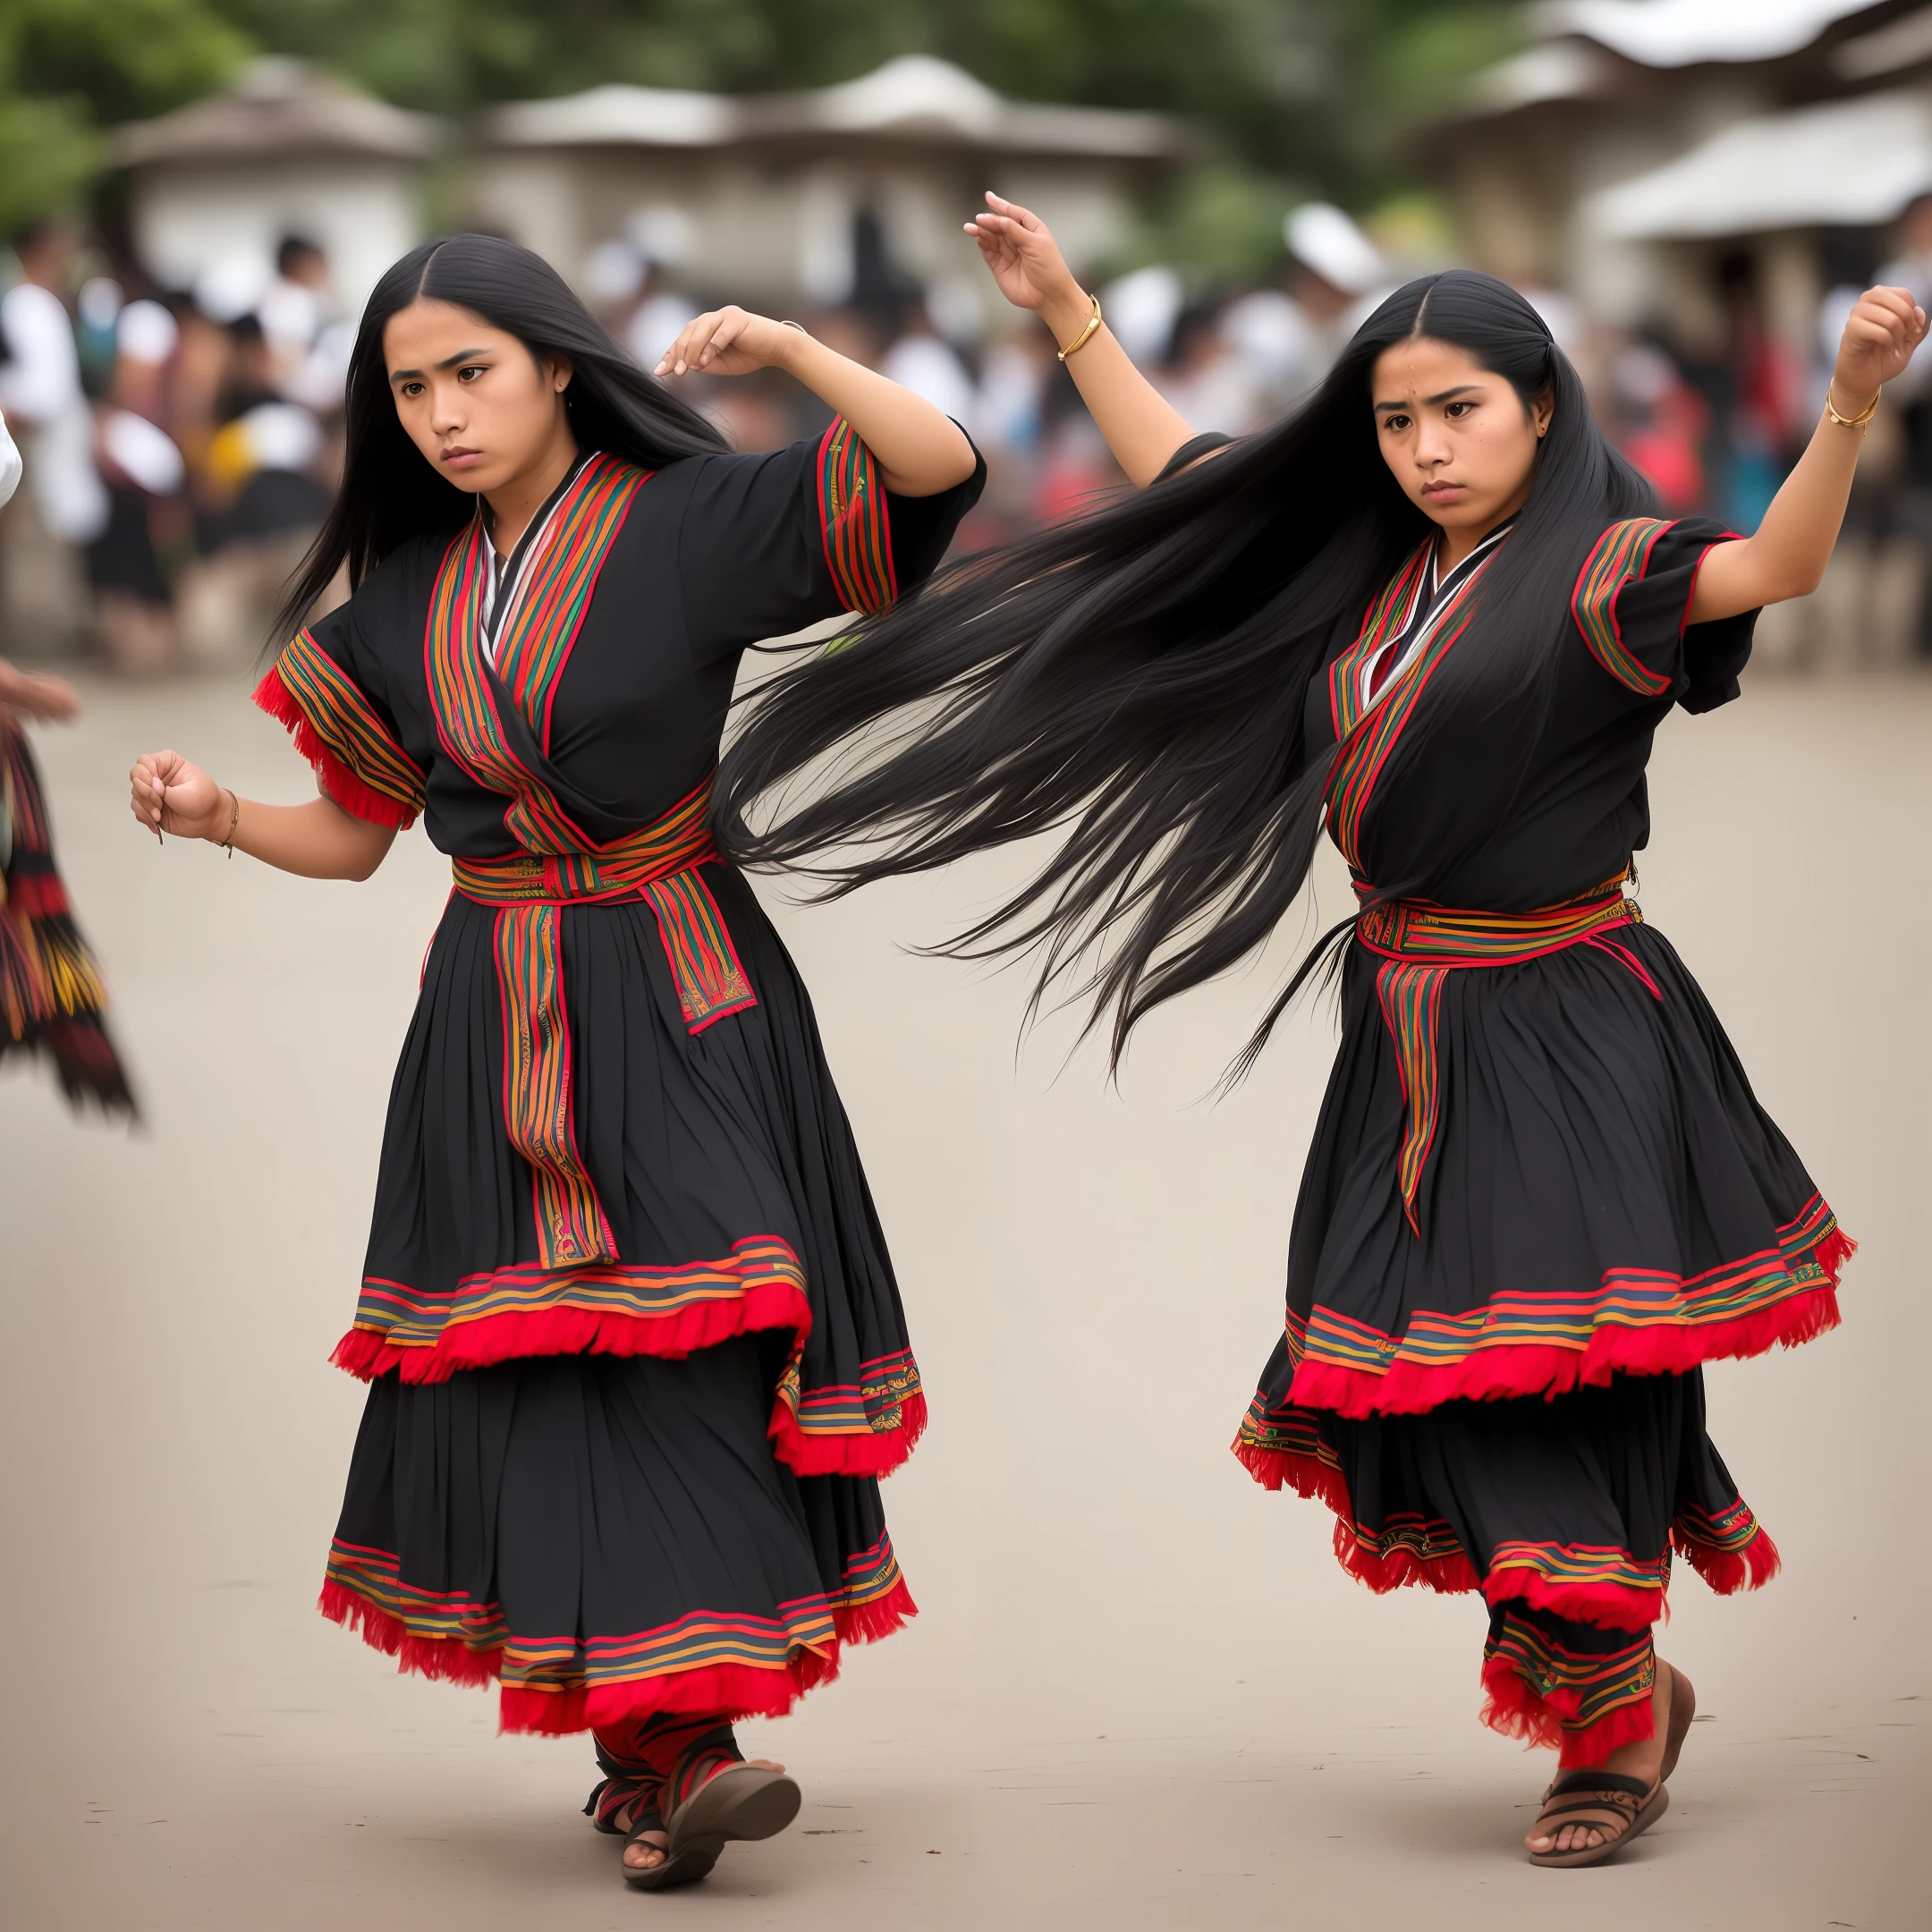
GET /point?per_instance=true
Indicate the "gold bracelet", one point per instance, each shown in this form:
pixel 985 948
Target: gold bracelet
pixel 1080 340
pixel 1851 422
pixel 234 820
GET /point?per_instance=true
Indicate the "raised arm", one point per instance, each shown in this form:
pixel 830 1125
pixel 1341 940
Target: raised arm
pixel 318 840
pixel 1787 555
pixel 920 452
pixel 1142 426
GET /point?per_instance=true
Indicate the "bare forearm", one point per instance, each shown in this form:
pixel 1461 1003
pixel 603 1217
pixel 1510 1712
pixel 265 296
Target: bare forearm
pixel 1787 555
pixel 1142 426
pixel 919 451
pixel 318 840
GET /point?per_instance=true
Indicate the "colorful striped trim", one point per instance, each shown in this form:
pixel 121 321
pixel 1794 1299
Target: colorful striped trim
pixel 1422 943
pixel 706 1661
pixel 711 984
pixel 336 729
pixel 1639 1320
pixel 537 1113
pixel 423 1323
pixel 1583 1702
pixel 532 650
pixel 622 1308
pixel 1284 1449
pixel 1729 1550
pixel 659 863
pixel 1621 554
pixel 1411 998
pixel 1385 618
pixel 1364 749
pixel 854 520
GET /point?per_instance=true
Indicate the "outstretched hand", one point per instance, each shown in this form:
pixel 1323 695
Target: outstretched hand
pixel 1019 249
pixel 727 342
pixel 169 794
pixel 46 697
pixel 1880 335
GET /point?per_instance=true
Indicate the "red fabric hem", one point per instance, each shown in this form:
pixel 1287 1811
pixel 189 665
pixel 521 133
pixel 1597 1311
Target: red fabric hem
pixel 1309 1477
pixel 353 794
pixel 1513 1709
pixel 568 1331
pixel 444 1658
pixel 737 1690
pixel 867 1622
pixel 1411 1388
pixel 1728 1572
pixel 876 1454
pixel 1619 1606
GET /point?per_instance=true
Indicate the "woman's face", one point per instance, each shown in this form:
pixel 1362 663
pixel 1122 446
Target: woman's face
pixel 482 410
pixel 1455 435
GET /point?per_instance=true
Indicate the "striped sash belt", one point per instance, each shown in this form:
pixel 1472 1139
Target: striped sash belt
pixel 1421 944
pixel 658 864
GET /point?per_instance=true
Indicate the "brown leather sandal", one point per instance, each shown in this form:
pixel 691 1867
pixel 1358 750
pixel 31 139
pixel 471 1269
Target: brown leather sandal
pixel 1603 1801
pixel 741 1801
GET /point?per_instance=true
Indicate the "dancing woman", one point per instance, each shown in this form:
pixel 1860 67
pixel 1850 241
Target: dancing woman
pixel 1434 614
pixel 52 1000
pixel 636 1355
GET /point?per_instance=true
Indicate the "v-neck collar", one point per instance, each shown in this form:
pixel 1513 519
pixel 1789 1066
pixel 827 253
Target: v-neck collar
pixel 505 573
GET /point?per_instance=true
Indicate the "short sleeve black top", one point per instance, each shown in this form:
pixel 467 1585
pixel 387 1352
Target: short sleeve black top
pixel 715 554
pixel 1582 807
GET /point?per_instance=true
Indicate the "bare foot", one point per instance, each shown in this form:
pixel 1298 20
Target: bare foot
pixel 649 1849
pixel 1643 1761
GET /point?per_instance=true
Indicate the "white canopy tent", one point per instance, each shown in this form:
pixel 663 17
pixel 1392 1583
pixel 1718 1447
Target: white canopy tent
pixel 1849 163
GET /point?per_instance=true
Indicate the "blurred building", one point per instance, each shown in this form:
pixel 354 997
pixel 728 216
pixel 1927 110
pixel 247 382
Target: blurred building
pixel 214 187
pixel 794 200
pixel 1638 141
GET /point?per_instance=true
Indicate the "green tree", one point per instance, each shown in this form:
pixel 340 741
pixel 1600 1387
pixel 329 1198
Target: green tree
pixel 68 68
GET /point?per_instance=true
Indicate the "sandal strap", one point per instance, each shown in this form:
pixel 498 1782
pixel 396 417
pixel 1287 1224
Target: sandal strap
pixel 1601 1781
pixel 615 1793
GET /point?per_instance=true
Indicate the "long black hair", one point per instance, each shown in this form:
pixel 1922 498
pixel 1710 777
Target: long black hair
pixel 389 493
pixel 1137 677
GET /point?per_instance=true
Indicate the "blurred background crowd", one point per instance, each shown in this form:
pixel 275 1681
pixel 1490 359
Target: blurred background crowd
pixel 199 194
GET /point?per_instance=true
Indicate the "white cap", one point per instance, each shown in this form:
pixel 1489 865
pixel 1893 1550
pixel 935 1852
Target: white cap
pixel 1321 237
pixel 146 333
pixel 282 436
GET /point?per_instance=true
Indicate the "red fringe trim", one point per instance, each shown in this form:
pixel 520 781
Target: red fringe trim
pixel 1448 1576
pixel 1309 1477
pixel 1511 1706
pixel 500 1338
pixel 1728 1572
pixel 737 1690
pixel 867 1622
pixel 1608 1606
pixel 342 784
pixel 1411 1388
pixel 566 1331
pixel 876 1453
pixel 441 1658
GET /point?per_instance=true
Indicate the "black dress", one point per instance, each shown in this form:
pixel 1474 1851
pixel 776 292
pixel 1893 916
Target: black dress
pixel 637 1353
pixel 1540 1192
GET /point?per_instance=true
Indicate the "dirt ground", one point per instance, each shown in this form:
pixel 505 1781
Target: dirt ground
pixel 1141 1694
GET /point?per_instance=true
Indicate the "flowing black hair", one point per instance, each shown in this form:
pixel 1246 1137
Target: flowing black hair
pixel 389 493
pixel 1137 677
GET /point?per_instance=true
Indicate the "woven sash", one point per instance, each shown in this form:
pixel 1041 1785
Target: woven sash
pixel 658 864
pixel 1421 944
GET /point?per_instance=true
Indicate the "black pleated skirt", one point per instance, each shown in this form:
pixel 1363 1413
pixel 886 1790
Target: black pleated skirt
pixel 650 1484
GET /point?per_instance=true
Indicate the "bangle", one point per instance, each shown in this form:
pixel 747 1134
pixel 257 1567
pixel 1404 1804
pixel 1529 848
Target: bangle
pixel 234 819
pixel 1851 422
pixel 1080 340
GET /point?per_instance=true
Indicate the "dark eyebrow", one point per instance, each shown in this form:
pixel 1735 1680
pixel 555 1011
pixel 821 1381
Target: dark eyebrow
pixel 1441 395
pixel 449 362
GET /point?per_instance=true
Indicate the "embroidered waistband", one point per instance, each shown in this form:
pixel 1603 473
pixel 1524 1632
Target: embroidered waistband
pixel 619 870
pixel 658 865
pixel 1420 943
pixel 1428 935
